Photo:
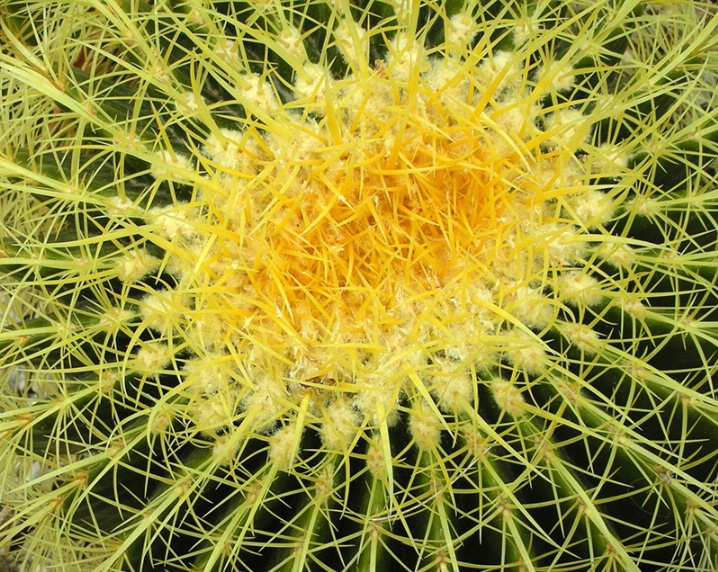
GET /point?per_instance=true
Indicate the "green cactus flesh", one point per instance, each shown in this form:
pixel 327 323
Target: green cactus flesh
pixel 358 285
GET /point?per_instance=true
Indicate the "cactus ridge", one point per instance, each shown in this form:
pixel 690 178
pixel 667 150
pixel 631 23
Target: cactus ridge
pixel 358 285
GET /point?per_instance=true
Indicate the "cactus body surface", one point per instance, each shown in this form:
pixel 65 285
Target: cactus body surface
pixel 358 285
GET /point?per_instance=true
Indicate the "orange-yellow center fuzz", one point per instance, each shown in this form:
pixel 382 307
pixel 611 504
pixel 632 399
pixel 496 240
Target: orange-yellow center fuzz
pixel 380 235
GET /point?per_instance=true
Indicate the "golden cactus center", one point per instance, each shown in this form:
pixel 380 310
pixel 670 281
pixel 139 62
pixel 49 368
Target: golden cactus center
pixel 403 226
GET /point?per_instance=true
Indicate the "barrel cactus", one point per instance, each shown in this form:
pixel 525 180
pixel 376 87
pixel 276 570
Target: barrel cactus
pixel 358 285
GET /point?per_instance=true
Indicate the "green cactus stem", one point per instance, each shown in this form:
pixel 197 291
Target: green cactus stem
pixel 358 285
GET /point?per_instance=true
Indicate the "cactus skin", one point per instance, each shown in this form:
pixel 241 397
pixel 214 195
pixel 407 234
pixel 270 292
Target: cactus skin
pixel 367 286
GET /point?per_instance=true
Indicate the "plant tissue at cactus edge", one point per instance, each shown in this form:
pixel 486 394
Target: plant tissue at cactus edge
pixel 358 285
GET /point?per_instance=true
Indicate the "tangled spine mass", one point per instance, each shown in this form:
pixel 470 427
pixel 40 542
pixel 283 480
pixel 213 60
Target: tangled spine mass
pixel 349 286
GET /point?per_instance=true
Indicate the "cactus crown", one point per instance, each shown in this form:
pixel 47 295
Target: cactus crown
pixel 348 285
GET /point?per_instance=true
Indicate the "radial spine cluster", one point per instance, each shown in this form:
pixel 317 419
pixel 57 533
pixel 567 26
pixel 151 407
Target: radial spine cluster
pixel 351 243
